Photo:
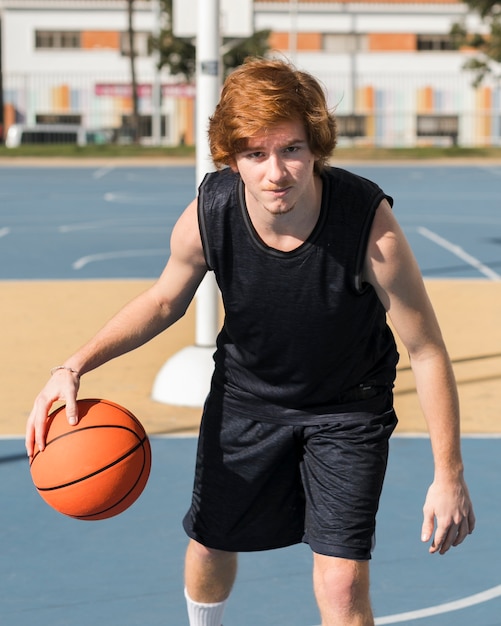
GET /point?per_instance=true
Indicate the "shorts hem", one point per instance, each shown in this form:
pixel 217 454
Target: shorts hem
pixel 342 552
pixel 217 543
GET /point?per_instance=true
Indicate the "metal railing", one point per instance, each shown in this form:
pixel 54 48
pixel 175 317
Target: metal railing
pixel 381 110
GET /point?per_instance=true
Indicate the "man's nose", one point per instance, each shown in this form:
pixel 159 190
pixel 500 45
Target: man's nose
pixel 276 168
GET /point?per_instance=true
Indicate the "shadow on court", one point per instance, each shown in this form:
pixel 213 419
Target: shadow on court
pixel 128 570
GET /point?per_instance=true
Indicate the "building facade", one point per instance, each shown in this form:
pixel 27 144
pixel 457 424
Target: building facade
pixel 68 61
pixel 388 66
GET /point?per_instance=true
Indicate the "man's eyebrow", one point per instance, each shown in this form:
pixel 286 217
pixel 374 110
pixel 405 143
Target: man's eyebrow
pixel 259 146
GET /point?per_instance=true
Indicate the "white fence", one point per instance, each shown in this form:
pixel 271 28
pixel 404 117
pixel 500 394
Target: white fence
pixel 99 103
pixel 383 110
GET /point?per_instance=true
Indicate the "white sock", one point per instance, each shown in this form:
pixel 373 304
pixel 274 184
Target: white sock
pixel 204 614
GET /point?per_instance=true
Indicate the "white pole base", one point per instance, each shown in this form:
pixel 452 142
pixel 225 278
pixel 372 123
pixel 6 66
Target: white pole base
pixel 184 379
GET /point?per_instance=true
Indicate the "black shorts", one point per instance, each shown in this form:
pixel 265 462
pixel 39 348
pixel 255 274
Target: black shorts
pixel 260 485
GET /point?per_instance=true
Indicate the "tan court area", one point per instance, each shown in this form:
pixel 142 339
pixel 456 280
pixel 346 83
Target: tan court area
pixel 44 322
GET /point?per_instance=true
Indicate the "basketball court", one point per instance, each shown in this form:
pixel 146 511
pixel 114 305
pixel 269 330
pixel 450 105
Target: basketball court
pixel 75 243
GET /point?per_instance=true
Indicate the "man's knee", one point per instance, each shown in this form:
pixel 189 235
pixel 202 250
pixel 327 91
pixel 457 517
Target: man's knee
pixel 342 585
pixel 202 553
pixel 209 573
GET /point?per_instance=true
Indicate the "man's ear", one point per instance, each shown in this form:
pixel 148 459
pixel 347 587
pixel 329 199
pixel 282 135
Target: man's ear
pixel 232 164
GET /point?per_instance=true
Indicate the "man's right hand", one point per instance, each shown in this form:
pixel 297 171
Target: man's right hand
pixel 62 387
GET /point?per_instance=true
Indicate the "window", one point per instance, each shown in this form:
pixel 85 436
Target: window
pixel 145 127
pixel 52 118
pixel 345 43
pixel 57 39
pixel 141 44
pixel 48 136
pixel 427 43
pixel 438 126
pixel 351 125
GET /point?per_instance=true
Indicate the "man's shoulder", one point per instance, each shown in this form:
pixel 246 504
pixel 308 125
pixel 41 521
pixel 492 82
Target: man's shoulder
pixel 220 178
pixel 351 182
pixel 218 192
pixel 344 175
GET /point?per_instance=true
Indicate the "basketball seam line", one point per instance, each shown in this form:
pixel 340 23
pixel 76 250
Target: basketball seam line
pixel 78 430
pixel 91 516
pixel 102 469
pixel 81 429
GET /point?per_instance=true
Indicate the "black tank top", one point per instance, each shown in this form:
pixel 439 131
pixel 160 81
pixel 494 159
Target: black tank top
pixel 300 328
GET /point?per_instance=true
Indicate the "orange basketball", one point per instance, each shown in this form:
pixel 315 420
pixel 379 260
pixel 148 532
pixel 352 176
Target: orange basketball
pixel 96 469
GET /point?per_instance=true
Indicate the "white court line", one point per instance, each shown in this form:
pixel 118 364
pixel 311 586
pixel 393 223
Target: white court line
pixel 102 171
pixel 447 607
pixel 4 231
pixel 491 169
pixel 442 218
pixel 68 228
pixel 128 198
pixel 102 224
pixel 106 256
pixel 459 252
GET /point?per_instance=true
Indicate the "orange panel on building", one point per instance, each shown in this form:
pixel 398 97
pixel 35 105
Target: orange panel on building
pixel 9 117
pixel 484 98
pixel 484 108
pixel 363 1
pixel 279 41
pixel 100 39
pixel 61 98
pixel 125 105
pixel 309 41
pixel 416 2
pixel 365 99
pixel 401 42
pixel 305 41
pixel 425 100
pixel 187 116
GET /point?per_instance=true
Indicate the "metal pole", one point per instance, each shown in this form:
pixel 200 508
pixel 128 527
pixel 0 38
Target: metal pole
pixel 208 74
pixel 353 63
pixel 185 378
pixel 293 11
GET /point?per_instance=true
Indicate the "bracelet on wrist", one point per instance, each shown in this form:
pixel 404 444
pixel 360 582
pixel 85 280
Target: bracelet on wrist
pixel 65 367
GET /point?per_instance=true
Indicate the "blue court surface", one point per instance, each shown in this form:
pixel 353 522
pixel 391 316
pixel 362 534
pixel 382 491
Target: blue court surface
pixel 111 222
pixel 56 571
pixel 115 222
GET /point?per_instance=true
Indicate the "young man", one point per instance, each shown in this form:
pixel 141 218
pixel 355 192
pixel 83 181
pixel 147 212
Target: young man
pixel 294 436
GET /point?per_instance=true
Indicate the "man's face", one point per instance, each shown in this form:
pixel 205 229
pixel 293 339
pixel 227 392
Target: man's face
pixel 277 168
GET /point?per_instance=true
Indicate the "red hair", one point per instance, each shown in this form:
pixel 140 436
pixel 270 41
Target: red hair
pixel 262 93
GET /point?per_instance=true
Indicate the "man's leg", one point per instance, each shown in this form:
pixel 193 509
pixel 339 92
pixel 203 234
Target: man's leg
pixel 209 578
pixel 342 591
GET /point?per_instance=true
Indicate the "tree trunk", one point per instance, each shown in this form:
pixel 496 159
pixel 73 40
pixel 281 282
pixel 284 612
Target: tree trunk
pixel 135 113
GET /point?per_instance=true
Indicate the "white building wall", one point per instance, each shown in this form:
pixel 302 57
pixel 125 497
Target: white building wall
pixel 31 76
pixel 395 78
pixel 20 54
pixel 367 18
